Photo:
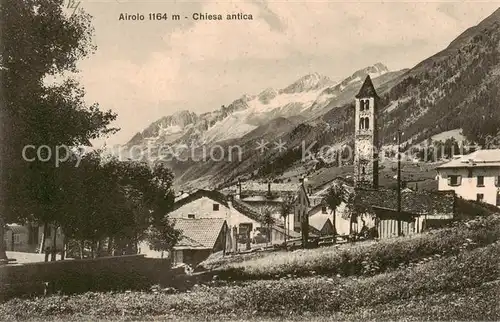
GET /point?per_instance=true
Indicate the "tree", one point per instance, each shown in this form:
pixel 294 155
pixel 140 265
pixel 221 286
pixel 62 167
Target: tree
pixel 118 202
pixel 286 208
pixel 333 199
pixel 40 40
pixel 163 236
pixel 267 220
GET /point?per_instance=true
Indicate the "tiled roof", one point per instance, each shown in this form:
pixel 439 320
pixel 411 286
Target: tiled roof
pixel 416 202
pixel 257 186
pixel 199 232
pixel 186 242
pixel 480 158
pixel 367 89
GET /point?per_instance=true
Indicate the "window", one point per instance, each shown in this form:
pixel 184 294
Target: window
pixel 363 170
pixel 367 123
pixel 362 123
pixel 364 105
pixel 191 216
pixel 480 181
pixel 16 239
pixel 216 207
pixel 497 181
pixel 480 197
pixel 454 180
pixel 323 210
pixel 498 199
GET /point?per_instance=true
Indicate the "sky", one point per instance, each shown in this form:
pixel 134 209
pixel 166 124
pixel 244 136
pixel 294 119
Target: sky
pixel 143 70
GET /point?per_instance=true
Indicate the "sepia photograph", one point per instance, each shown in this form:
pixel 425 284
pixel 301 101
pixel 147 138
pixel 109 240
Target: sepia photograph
pixel 249 160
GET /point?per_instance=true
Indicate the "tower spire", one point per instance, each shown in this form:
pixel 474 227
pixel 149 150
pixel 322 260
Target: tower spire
pixel 367 90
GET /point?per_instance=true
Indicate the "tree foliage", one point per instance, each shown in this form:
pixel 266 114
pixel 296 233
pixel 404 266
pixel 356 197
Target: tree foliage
pixel 99 198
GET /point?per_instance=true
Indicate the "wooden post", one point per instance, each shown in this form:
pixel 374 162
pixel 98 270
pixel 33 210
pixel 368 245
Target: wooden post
pixel 399 182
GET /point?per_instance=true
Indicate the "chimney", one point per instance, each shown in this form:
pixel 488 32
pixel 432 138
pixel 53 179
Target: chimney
pixel 239 188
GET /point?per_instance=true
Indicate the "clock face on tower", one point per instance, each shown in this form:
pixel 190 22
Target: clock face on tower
pixel 364 149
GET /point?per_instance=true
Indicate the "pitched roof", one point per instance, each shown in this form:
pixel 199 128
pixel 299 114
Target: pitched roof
pixel 318 221
pixel 386 213
pixel 186 242
pixel 367 89
pixel 17 229
pixel 480 158
pixel 415 202
pixel 202 232
pixel 212 194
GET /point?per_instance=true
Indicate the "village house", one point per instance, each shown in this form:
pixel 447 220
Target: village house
pixel 475 176
pixel 243 221
pixel 28 238
pixel 200 238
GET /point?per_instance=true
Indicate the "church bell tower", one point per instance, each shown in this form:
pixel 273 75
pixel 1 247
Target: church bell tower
pixel 366 145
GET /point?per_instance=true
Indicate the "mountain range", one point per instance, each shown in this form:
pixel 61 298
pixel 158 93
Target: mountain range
pixel 456 89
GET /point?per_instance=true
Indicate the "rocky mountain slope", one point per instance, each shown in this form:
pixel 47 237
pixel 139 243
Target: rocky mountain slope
pixel 458 88
pixel 306 98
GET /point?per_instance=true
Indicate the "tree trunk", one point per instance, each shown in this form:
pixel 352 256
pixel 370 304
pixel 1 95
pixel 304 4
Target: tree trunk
pixel 82 247
pixel 92 248
pixel 54 246
pixel 305 230
pixel 110 246
pixel 63 250
pixel 334 225
pixel 12 240
pixel 286 226
pixel 3 254
pixel 99 248
pixel 42 242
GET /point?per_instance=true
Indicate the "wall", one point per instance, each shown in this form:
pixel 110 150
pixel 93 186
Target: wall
pixel 468 188
pixel 300 209
pixel 203 208
pixel 21 245
pixel 192 257
pixel 342 225
pixel 388 228
pixel 82 275
pixel 145 250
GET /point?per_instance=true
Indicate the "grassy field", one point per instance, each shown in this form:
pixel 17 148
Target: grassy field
pixel 366 258
pixel 447 274
pixel 462 286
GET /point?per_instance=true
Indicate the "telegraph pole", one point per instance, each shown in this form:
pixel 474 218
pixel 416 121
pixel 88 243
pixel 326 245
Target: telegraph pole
pixel 399 181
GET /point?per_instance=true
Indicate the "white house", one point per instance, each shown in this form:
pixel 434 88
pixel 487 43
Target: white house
pixel 475 176
pixel 242 219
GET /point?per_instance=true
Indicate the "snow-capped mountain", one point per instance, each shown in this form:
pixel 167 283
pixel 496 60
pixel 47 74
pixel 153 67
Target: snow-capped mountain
pixel 306 97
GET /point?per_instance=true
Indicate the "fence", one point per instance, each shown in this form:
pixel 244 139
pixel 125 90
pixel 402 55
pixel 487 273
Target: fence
pixel 82 275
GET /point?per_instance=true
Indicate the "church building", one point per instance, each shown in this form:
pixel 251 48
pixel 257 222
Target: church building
pixel 366 144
